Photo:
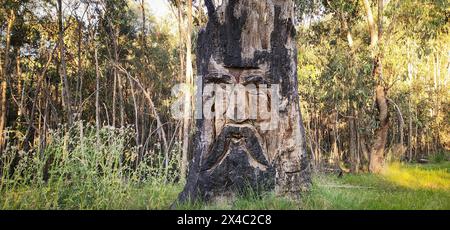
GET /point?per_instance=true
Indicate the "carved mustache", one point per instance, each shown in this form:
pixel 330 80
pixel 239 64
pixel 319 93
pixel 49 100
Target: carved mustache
pixel 220 148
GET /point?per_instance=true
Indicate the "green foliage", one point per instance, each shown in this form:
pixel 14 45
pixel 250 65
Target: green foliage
pixel 79 172
pixel 335 73
pixel 440 157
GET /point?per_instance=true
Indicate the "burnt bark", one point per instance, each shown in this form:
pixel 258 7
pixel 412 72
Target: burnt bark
pixel 248 42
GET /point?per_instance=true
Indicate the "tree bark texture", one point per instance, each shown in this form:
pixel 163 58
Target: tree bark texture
pixel 249 42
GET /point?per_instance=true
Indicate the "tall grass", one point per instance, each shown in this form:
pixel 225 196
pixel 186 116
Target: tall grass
pixel 77 171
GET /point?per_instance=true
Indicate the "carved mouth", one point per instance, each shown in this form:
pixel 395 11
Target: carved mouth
pixel 232 138
pixel 236 137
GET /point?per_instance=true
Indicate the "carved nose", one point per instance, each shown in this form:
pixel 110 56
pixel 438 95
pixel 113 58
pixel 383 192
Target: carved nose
pixel 236 74
pixel 237 79
pixel 236 117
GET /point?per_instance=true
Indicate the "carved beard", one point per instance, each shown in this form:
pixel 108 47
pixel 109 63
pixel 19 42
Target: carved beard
pixel 237 160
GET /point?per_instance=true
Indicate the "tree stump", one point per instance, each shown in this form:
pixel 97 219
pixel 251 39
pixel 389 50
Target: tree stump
pixel 248 44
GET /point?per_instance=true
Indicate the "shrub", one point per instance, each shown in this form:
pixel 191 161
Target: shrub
pixel 439 157
pixel 80 170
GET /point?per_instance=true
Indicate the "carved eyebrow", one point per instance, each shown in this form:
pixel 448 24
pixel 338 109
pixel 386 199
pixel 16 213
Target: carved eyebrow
pixel 254 79
pixel 216 77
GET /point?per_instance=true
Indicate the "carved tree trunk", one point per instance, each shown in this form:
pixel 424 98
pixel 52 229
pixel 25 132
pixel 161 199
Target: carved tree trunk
pixel 255 140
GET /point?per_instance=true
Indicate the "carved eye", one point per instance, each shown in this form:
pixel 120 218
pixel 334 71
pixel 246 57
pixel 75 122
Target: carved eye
pixel 254 79
pixel 218 78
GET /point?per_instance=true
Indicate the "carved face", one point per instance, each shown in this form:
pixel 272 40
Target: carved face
pixel 241 114
pixel 250 133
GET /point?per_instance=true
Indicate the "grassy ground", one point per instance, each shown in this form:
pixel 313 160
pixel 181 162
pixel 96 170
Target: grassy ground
pixel 399 187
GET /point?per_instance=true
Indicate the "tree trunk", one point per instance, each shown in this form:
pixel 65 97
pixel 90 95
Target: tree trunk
pixel 364 152
pixel 3 73
pixel 97 95
pixel 114 61
pixel 188 101
pixel 67 100
pixel 380 139
pixel 121 101
pixel 31 130
pixel 371 24
pixel 144 35
pixel 80 71
pixel 246 45
pixel 410 133
pixel 399 148
pixel 136 122
pixel 20 86
pixel 335 135
pixel 377 150
pixel 353 146
pixel 416 138
pixel 180 55
pixel 410 129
